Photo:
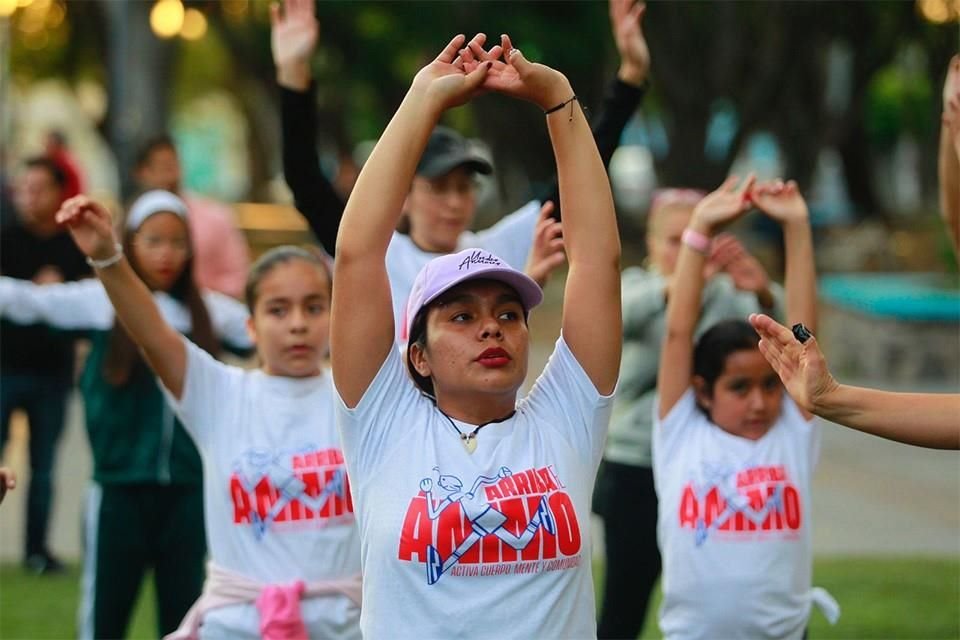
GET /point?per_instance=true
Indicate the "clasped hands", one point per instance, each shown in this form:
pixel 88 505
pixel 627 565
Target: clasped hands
pixel 464 70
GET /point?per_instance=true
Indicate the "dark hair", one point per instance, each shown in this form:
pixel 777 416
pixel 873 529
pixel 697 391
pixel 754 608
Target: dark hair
pixel 418 336
pixel 58 137
pixel 123 356
pixel 711 351
pixel 51 167
pixel 155 143
pixel 280 255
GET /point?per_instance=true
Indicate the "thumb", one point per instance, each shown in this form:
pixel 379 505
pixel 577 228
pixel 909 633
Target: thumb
pixel 519 62
pixel 475 78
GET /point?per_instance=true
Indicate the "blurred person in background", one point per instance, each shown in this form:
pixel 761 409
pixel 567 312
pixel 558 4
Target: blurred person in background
pixel 220 251
pixel 736 286
pixel 58 151
pixel 145 507
pixel 36 363
pixel 442 199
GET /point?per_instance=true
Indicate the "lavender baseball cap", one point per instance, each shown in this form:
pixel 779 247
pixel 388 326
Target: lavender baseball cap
pixel 443 273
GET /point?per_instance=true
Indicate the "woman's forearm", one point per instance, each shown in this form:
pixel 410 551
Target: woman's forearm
pixel 922 419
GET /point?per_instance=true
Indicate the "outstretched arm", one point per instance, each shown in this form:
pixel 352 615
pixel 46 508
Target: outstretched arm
pixel 922 419
pixel 626 90
pixel 716 210
pixel 293 35
pixel 361 327
pixel 949 156
pixel 89 224
pixel 784 203
pixel 591 310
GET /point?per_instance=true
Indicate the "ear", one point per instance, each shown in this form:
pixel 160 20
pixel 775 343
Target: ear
pixel 418 358
pixel 704 398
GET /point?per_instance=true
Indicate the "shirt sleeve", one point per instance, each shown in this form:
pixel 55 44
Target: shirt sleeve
pixel 382 420
pixel 512 237
pixel 670 433
pixel 210 389
pixel 82 305
pixel 564 398
pixel 807 433
pixel 229 320
pixel 313 194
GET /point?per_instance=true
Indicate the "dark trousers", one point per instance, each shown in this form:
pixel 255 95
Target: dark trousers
pixel 626 500
pixel 129 530
pixel 44 399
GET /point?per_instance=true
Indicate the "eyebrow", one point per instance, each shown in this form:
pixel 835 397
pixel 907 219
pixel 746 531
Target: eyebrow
pixel 309 297
pixel 468 298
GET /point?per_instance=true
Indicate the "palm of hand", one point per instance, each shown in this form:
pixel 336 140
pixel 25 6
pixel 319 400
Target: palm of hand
pixel 444 81
pixel 783 207
pixel 631 44
pixel 90 239
pixel 719 208
pixel 294 40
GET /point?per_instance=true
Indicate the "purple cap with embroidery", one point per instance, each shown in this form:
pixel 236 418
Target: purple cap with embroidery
pixel 443 273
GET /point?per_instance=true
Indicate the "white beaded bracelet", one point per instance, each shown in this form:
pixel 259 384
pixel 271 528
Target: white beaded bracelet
pixel 107 262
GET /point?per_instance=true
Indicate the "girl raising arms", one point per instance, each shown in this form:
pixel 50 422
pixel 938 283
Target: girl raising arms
pixel 733 455
pixel 278 513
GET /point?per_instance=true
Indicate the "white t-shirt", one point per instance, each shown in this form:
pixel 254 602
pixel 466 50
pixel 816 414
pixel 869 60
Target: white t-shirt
pixel 517 509
pixel 510 240
pixel 734 525
pixel 277 502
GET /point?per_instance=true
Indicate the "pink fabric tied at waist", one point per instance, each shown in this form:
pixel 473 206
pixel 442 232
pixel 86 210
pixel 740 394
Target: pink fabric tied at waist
pixel 279 605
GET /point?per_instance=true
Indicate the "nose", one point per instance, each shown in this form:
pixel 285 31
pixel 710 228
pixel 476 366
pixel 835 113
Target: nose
pixel 298 321
pixel 491 329
pixel 757 400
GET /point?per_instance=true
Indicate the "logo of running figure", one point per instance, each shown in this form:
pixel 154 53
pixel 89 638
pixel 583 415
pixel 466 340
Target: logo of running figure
pixel 484 519
pixel 723 478
pixel 286 482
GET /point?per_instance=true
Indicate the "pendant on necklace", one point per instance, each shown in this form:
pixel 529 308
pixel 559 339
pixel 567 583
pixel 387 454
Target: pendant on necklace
pixel 469 441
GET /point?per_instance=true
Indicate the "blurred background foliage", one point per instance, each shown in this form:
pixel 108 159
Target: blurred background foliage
pixel 856 79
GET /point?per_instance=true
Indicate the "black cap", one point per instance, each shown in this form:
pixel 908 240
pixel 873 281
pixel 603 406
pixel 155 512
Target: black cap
pixel 446 150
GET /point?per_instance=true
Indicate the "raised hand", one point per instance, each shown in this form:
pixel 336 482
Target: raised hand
pixel 730 256
pixel 90 225
pixel 801 367
pixel 547 252
pixel 515 76
pixel 293 39
pixel 722 206
pixel 780 201
pixel 446 81
pixel 625 22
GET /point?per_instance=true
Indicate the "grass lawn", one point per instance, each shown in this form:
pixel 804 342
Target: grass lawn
pixel 880 598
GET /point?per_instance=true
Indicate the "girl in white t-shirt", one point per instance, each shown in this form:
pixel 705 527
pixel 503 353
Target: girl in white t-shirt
pixel 473 507
pixel 277 505
pixel 733 455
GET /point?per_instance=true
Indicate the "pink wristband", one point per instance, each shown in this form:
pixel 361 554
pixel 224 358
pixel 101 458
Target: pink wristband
pixel 696 241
